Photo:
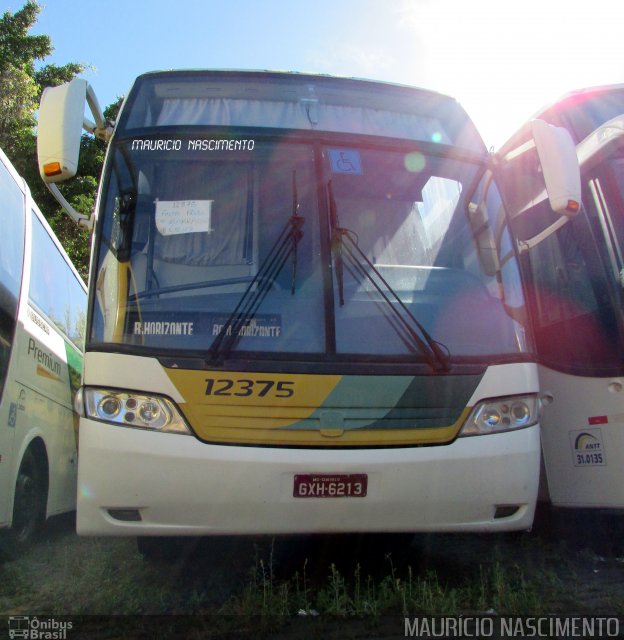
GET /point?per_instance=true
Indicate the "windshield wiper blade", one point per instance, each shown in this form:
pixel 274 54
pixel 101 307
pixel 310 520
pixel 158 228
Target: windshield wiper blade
pixel 284 247
pixel 431 349
pixel 336 243
pixel 296 222
pixel 344 243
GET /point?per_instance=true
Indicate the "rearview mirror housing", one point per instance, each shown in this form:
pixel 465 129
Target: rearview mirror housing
pixel 560 167
pixel 61 115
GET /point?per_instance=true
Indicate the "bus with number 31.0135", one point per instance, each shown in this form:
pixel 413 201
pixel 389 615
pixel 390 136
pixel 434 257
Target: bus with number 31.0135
pixel 573 268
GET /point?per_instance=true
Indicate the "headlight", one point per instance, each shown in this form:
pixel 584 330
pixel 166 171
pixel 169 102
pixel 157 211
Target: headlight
pixel 134 410
pixel 501 414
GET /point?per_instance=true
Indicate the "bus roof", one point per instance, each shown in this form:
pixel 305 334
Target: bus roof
pixel 584 110
pixel 581 112
pixel 580 95
pixel 291 76
pixel 312 90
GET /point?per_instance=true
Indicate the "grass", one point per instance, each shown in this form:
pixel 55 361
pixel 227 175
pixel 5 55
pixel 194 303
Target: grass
pixel 262 585
pixel 497 589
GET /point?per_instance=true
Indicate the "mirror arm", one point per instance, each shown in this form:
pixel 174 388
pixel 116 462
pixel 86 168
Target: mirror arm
pixel 527 245
pixel 100 128
pixel 79 218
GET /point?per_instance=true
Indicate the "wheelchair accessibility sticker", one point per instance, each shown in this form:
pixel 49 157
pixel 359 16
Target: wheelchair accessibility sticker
pixel 345 161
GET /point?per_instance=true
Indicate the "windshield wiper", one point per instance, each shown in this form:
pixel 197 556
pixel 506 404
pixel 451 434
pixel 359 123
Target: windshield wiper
pixel 285 247
pixel 336 243
pixel 344 245
pixel 296 221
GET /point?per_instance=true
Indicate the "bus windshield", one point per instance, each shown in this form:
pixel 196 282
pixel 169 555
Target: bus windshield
pixel 583 111
pixel 191 227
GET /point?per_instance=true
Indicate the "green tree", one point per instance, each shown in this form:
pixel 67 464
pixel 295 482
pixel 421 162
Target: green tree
pixel 23 77
pixel 18 87
pixel 21 84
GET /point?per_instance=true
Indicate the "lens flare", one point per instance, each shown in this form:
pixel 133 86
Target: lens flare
pixel 85 491
pixel 415 162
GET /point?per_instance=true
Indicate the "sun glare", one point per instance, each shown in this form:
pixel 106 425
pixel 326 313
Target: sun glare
pixel 503 64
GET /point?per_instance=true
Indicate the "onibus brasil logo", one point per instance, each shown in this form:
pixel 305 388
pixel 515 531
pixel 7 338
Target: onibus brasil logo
pixel 33 628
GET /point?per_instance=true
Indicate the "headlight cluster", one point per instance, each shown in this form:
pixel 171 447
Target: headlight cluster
pixel 501 414
pixel 133 410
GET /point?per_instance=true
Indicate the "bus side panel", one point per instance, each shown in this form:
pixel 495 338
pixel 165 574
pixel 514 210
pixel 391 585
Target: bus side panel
pixel 8 418
pixel 42 379
pixel 13 219
pixel 583 439
pixel 37 399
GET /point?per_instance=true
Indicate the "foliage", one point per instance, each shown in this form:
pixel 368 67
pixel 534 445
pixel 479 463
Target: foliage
pixel 22 81
pixel 21 84
pixel 18 86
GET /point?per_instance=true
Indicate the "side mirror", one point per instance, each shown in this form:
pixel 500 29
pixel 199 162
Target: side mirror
pixel 540 175
pixel 60 125
pixel 59 130
pixel 560 167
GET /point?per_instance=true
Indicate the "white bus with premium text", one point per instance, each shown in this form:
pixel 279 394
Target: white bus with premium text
pixel 42 319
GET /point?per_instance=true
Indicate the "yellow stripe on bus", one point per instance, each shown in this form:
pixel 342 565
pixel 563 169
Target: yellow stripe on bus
pixel 232 434
pixel 46 373
pixel 289 409
pixel 268 390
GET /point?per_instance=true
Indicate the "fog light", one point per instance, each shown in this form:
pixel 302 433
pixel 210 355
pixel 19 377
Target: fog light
pixel 125 515
pixel 505 511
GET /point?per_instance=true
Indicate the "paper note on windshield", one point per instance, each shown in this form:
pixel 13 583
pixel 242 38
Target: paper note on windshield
pixel 183 216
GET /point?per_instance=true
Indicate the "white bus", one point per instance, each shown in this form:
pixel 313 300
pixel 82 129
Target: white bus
pixel 575 280
pixel 298 321
pixel 42 317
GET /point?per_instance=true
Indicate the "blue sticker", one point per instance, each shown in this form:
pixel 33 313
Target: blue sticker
pixel 345 161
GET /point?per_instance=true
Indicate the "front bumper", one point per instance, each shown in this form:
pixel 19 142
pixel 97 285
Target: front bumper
pixel 177 485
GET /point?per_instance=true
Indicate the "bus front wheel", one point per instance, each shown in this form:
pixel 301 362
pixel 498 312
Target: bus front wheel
pixel 29 506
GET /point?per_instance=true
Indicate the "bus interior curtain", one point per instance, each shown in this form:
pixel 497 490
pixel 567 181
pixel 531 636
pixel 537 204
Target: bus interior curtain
pixel 293 115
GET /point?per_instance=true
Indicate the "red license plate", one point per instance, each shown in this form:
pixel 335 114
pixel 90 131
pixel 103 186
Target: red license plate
pixel 330 485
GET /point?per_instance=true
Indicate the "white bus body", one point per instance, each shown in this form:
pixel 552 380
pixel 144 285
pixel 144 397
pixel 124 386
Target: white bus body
pixel 575 279
pixel 43 310
pixel 298 318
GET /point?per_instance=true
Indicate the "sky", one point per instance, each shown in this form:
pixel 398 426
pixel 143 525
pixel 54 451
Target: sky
pixel 501 59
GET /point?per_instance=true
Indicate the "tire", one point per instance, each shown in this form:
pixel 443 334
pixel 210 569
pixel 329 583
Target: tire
pixel 29 507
